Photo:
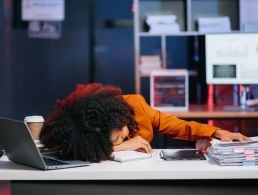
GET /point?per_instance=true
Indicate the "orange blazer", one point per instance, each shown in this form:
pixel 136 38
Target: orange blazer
pixel 149 119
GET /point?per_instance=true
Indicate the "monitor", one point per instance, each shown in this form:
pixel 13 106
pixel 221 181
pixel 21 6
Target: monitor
pixel 231 58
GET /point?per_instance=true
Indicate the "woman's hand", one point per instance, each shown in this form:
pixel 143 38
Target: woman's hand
pixel 223 135
pixel 227 136
pixel 135 143
pixel 203 144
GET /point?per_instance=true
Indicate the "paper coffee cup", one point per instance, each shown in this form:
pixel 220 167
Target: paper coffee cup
pixel 35 124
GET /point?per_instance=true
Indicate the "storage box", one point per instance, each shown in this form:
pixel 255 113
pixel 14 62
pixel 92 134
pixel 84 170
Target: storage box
pixel 169 90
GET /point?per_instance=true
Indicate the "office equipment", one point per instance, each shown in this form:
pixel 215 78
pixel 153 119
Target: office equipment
pixel 183 154
pixel 169 89
pixel 126 156
pixel 20 147
pixel 232 59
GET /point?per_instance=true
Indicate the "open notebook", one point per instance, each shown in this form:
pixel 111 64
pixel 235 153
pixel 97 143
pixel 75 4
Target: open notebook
pixel 125 156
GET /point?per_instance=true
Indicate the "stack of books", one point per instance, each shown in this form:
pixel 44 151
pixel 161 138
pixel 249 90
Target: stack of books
pixel 234 153
pixel 149 63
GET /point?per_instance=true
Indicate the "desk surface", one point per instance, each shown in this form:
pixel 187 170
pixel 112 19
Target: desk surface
pixel 149 169
pixel 202 112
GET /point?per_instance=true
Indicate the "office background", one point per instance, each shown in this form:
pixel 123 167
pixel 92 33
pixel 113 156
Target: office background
pixel 96 45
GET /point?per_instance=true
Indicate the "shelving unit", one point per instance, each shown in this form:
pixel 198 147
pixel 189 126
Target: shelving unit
pixel 242 14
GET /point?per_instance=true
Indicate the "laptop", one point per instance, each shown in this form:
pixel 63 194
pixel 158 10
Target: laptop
pixel 19 146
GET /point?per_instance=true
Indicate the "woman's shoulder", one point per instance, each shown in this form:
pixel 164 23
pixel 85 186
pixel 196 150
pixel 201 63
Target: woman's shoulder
pixel 140 105
pixel 135 100
pixel 133 97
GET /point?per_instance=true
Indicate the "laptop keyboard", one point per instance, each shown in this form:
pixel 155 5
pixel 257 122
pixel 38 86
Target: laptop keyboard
pixel 53 162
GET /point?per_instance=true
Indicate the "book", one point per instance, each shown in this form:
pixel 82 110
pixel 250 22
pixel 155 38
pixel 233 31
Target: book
pixel 125 156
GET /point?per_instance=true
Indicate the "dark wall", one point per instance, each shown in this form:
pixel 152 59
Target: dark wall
pixel 97 44
pixel 2 81
pixel 38 71
pixel 114 42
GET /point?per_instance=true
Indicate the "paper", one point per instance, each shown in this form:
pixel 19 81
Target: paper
pixel 125 156
pixel 234 153
pixel 162 24
pixel 214 24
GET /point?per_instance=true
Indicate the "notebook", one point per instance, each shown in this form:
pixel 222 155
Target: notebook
pixel 19 147
pixel 125 156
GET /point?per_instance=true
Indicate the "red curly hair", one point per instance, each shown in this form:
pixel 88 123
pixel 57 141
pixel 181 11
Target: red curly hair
pixel 80 126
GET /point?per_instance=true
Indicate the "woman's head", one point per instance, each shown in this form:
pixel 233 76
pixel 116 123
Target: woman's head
pixel 87 123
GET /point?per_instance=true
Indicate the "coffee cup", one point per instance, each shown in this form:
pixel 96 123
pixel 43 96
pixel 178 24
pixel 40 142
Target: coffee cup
pixel 35 124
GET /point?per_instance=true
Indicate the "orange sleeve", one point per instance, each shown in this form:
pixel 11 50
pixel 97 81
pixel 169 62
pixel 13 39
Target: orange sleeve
pixel 175 127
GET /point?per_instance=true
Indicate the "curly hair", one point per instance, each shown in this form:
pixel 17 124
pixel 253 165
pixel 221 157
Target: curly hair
pixel 80 126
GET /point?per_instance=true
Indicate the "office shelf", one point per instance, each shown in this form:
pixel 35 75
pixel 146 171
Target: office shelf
pixel 242 15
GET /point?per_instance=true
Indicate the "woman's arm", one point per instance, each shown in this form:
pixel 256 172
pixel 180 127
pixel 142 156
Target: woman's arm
pixel 181 129
pixel 135 143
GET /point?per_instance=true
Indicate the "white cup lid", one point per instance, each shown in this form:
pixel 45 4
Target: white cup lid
pixel 34 118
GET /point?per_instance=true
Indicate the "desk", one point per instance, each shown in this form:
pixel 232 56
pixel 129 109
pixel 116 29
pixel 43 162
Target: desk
pixel 150 176
pixel 202 112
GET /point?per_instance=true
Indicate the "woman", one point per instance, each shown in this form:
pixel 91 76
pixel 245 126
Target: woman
pixel 95 120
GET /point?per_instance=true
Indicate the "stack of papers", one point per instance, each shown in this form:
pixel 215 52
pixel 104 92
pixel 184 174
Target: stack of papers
pixel 250 26
pixel 162 23
pixel 214 24
pixel 234 153
pixel 149 63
